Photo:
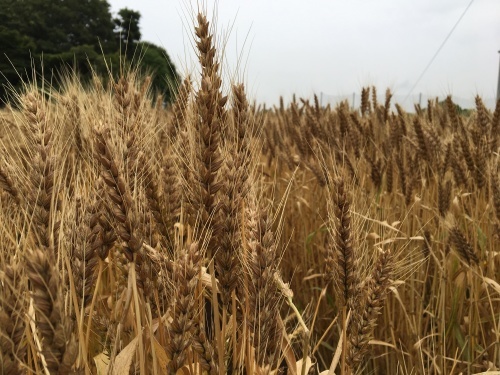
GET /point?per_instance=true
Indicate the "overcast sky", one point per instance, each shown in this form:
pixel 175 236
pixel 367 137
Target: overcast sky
pixel 281 47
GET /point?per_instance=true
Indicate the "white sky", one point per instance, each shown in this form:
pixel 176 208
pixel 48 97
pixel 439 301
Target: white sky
pixel 339 46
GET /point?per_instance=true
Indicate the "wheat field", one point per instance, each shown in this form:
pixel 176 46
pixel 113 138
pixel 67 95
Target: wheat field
pixel 215 236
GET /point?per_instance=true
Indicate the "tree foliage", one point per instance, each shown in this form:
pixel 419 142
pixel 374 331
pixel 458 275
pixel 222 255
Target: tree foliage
pixel 127 26
pixel 79 34
pixel 158 63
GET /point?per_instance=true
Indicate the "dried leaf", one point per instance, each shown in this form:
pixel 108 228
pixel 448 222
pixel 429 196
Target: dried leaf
pixel 101 363
pixel 124 359
pixel 492 283
pixel 308 365
pixel 161 355
pixel 382 343
pixel 288 352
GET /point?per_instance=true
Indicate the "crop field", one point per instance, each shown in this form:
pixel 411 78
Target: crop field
pixel 217 236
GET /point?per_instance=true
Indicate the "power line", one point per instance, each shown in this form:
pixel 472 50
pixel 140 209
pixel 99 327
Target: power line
pixel 439 50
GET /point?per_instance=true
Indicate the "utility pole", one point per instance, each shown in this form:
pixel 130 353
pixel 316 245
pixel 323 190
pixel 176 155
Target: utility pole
pixel 498 84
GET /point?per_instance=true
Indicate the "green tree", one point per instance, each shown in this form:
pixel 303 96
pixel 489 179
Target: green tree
pixel 146 56
pixel 50 32
pixel 15 54
pixel 155 60
pixel 127 28
pixel 72 33
pixel 58 25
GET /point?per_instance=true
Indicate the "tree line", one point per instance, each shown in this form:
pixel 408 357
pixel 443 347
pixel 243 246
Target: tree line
pixel 55 35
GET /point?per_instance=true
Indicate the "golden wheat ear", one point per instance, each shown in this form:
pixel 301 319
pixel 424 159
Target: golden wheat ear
pixel 13 305
pixel 234 190
pixel 342 259
pixel 365 317
pixel 264 297
pixel 186 329
pixel 8 185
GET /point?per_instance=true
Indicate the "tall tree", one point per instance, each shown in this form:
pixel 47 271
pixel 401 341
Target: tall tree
pixel 127 27
pixel 58 25
pixel 155 60
pixel 52 33
pixel 69 33
pixel 15 55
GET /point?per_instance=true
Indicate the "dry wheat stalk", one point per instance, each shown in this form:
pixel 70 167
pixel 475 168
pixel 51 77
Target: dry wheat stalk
pixel 389 176
pixel 458 168
pixel 264 297
pixel 364 321
pixel 94 239
pixel 7 185
pixel 482 120
pixel 54 328
pixel 444 197
pixel 174 167
pixel 365 101
pixel 467 154
pixel 174 194
pixel 39 193
pixel 13 344
pixel 463 247
pixel 430 116
pixel 179 109
pixel 153 189
pixel 294 127
pixel 342 259
pixel 387 104
pixel 233 192
pixel 211 113
pixel 480 162
pixel 374 99
pixel 427 245
pixel 446 160
pixel 452 113
pixel 186 329
pixel 121 207
pixel 422 140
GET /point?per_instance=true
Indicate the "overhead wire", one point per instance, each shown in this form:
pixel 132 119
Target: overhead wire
pixel 437 52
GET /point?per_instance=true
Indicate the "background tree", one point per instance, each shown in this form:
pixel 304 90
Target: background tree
pixel 155 60
pixel 15 57
pixel 79 34
pixel 127 28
